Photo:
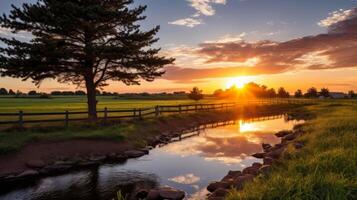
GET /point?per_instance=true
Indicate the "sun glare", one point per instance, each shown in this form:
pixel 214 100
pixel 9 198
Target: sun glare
pixel 238 82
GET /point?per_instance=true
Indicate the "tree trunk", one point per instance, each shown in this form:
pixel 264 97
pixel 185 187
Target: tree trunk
pixel 91 100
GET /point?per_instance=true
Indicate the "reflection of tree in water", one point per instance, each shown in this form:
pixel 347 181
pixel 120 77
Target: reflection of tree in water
pixel 88 185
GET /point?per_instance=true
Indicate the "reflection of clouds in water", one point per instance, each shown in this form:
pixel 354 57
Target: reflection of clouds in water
pixel 233 150
pixel 226 150
pixel 228 144
pixel 186 179
pixel 225 160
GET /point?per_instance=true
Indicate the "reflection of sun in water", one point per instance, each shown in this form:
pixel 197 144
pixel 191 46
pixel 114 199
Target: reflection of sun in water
pixel 238 82
pixel 247 127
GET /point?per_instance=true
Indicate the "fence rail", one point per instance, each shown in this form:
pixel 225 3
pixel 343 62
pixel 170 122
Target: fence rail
pixel 135 113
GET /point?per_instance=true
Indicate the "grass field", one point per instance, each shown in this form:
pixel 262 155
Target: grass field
pixel 79 103
pixel 325 168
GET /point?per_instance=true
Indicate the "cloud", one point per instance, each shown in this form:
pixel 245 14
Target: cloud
pixel 202 7
pixel 205 7
pixel 186 179
pixel 189 22
pixel 336 16
pixel 227 57
pixel 228 39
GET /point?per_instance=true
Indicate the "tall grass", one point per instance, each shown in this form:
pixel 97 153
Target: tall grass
pixel 326 168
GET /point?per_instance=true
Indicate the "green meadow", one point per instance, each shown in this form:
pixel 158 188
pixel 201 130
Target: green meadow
pixel 79 103
pixel 324 169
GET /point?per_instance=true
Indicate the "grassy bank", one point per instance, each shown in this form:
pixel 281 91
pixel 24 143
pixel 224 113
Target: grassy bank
pixel 324 169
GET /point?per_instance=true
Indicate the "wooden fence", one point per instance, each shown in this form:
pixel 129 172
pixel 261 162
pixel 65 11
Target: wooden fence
pixel 66 117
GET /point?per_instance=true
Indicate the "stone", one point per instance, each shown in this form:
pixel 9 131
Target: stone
pixel 28 173
pixel 277 146
pixel 134 153
pixel 250 170
pixel 153 195
pixel 35 164
pixel 232 175
pixel 171 194
pixel 298 127
pixel 218 194
pixel 241 180
pixel 150 147
pixel 275 153
pixel 145 150
pixel 282 133
pixel 265 169
pixel 299 145
pixel 257 165
pixel 216 185
pixel 259 155
pixel 88 164
pixel 116 157
pixel 254 169
pixel 268 161
pixel 70 163
pixel 266 146
pixel 53 169
pixel 289 137
pixel 215 198
pixel 142 194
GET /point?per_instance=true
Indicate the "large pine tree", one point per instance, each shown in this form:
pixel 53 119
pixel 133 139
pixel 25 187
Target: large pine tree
pixel 84 42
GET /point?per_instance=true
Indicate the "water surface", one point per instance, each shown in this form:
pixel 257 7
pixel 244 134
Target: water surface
pixel 190 164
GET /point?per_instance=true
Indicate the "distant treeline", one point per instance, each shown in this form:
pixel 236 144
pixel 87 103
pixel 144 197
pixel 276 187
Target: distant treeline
pixel 4 91
pixel 262 91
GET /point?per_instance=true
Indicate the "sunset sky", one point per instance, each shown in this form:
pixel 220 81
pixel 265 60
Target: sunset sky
pixel 292 43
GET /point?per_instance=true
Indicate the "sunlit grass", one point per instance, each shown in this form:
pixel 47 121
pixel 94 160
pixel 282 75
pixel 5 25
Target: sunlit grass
pixel 324 169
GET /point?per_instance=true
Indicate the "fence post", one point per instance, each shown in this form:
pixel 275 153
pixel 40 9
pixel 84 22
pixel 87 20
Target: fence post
pixel 105 114
pixel 157 112
pixel 180 109
pixel 134 116
pixel 139 113
pixel 66 118
pixel 196 108
pixel 21 118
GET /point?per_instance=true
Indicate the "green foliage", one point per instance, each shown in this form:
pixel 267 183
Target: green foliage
pixel 325 92
pixel 311 93
pixel 298 94
pixel 195 94
pixel 324 169
pixel 282 93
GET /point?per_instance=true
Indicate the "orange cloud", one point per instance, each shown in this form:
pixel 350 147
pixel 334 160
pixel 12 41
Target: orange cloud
pixel 335 49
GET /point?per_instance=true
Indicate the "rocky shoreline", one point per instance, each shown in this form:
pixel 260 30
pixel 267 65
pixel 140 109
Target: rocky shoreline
pixel 271 156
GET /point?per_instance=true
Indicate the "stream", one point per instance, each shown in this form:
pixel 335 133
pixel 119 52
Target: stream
pixel 189 164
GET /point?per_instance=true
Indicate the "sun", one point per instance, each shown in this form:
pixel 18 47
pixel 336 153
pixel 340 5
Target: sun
pixel 238 82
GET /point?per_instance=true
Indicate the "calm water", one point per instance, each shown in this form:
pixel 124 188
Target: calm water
pixel 190 165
